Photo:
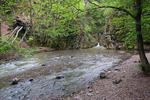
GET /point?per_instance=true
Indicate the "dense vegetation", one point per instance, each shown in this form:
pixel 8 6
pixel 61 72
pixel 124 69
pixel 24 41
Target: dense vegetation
pixel 72 24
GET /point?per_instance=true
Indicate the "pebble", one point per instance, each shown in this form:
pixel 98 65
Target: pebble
pixel 59 77
pixel 109 72
pixel 31 79
pixel 116 81
pixel 43 64
pixel 15 81
pixel 89 94
pixel 90 90
pixel 116 69
pixel 102 75
pixel 71 56
pixel 97 92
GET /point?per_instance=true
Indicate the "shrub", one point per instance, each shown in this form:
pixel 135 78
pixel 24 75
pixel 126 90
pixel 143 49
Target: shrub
pixel 5 47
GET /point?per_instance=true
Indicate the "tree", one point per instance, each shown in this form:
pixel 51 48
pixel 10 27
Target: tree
pixel 134 9
pixel 0 29
pixel 6 7
pixel 31 22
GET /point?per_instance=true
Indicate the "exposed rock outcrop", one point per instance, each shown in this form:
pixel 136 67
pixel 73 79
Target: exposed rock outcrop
pixel 109 38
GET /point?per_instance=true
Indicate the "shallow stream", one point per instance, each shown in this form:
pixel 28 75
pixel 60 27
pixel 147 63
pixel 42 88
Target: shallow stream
pixel 67 72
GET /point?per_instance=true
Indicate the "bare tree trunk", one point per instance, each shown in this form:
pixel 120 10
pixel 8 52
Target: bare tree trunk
pixel 144 61
pixel 17 34
pixel 13 33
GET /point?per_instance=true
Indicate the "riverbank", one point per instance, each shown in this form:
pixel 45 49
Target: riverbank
pixel 133 85
pixel 13 56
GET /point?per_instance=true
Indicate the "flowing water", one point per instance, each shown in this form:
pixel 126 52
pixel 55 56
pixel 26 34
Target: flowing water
pixel 66 72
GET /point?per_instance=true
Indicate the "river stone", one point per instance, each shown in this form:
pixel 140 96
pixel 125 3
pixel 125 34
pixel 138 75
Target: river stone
pixel 43 64
pixel 59 77
pixel 117 69
pixel 15 81
pixel 90 90
pixel 116 81
pixel 31 79
pixel 89 94
pixel 102 75
pixel 72 56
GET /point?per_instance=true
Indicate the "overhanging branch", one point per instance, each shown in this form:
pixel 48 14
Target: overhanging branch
pixel 117 8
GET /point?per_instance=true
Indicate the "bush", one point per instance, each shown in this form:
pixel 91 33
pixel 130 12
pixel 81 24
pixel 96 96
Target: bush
pixel 5 47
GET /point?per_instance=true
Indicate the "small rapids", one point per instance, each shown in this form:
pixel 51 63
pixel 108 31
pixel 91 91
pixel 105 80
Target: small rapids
pixel 77 68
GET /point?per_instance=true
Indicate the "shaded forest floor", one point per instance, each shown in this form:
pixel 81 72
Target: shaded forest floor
pixel 133 86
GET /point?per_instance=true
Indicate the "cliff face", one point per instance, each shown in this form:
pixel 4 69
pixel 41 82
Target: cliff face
pixel 110 39
pixel 106 39
pixel 4 28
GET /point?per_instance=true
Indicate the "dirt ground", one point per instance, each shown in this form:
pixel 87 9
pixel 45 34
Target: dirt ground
pixel 133 86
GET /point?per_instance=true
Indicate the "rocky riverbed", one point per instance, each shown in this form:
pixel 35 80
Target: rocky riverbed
pixel 53 75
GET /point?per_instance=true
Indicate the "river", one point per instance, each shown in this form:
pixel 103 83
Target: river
pixel 60 73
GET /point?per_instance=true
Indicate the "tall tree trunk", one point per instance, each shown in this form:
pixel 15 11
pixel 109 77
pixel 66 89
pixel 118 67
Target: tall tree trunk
pixel 0 29
pixel 31 23
pixel 144 61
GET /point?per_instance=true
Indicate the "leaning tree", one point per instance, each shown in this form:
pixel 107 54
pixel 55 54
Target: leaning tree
pixel 135 9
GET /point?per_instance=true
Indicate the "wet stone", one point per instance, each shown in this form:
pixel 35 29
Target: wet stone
pixel 31 79
pixel 89 94
pixel 72 56
pixel 15 81
pixel 117 69
pixel 59 77
pixel 43 65
pixel 102 75
pixel 116 81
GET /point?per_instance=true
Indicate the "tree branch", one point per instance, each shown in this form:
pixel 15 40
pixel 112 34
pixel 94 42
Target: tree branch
pixel 117 8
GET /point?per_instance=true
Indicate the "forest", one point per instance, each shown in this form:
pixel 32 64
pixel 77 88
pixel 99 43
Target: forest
pixel 61 28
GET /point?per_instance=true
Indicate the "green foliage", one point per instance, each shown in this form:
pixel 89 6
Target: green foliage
pixel 5 47
pixel 123 25
pixel 10 19
pixel 56 20
pixel 6 7
pixel 59 23
pixel 26 52
pixel 30 40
